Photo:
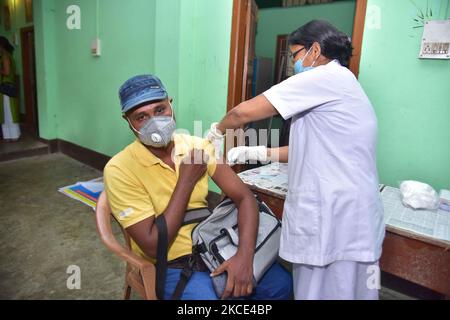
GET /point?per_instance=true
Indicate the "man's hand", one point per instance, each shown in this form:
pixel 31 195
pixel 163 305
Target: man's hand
pixel 217 138
pixel 193 167
pixel 239 269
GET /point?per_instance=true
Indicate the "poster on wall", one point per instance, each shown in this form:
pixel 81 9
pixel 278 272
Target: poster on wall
pixel 6 18
pixel 29 10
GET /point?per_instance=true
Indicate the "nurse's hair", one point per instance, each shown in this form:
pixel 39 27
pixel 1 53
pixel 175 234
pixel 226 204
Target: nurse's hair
pixel 334 44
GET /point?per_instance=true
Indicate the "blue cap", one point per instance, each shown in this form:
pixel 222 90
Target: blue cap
pixel 139 90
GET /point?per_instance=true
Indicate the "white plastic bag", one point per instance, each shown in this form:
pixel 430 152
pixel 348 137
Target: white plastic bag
pixel 418 195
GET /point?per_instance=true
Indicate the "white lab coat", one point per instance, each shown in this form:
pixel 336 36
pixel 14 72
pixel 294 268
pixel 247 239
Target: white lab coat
pixel 333 210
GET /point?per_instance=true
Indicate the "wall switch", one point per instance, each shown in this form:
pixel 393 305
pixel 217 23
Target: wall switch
pixel 96 48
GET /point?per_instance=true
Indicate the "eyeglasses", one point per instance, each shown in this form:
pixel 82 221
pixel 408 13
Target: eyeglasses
pixel 292 55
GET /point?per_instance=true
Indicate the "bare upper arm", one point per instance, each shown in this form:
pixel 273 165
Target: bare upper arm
pixel 230 183
pixel 141 234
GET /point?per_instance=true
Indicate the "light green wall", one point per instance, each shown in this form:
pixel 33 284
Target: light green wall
pixel 410 96
pixel 46 61
pixel 192 53
pixel 88 110
pixel 17 10
pixel 170 38
pixel 277 21
pixel 185 42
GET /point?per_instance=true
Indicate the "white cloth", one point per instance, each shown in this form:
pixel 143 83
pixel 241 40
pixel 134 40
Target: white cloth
pixel 10 129
pixel 333 209
pixel 341 280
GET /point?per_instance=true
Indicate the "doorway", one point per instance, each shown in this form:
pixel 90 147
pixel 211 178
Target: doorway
pixel 242 53
pixel 31 124
pixel 243 65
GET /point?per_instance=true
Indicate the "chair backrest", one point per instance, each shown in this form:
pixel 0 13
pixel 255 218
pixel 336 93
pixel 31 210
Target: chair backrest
pixel 103 217
pixel 147 274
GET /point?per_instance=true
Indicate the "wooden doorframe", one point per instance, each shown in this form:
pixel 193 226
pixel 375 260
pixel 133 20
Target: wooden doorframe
pixel 237 55
pixel 28 62
pixel 357 35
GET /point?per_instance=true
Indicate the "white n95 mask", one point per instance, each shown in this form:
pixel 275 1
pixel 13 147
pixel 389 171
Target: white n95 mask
pixel 157 132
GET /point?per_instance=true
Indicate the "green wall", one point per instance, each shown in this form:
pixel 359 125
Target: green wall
pixel 87 105
pixel 46 81
pixel 186 43
pixel 17 10
pixel 277 21
pixel 170 38
pixel 192 53
pixel 410 96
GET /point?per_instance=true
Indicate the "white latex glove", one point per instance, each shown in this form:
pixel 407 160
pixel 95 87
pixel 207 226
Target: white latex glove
pixel 217 139
pixel 244 154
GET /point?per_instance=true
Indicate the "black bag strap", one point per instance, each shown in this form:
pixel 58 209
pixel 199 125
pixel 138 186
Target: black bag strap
pixel 192 216
pixel 161 256
pixel 195 216
pixel 185 275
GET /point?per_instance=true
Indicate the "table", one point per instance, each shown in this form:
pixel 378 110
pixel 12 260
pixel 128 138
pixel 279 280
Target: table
pixel 413 257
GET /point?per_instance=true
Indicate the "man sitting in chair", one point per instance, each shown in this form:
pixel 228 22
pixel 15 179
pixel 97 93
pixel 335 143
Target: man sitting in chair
pixel 162 173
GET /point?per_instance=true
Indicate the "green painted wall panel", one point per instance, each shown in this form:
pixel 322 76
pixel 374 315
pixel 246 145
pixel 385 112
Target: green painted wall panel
pixel 204 60
pixel 186 43
pixel 167 48
pixel 194 71
pixel 410 95
pixel 46 62
pixel 88 109
pixel 278 21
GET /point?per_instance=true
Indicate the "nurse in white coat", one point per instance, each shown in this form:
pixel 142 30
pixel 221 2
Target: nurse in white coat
pixel 333 226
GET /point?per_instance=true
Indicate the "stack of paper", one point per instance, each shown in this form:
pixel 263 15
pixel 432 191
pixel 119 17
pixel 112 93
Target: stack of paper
pixel 86 192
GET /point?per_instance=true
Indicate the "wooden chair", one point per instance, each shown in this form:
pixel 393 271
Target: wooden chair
pixel 140 274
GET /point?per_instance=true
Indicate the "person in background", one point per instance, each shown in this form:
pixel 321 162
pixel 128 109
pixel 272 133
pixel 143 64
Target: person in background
pixel 9 107
pixel 333 226
pixel 155 175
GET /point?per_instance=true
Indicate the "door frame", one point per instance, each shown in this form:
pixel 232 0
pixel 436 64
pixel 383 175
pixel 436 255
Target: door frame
pixel 30 101
pixel 358 35
pixel 238 53
pixel 236 76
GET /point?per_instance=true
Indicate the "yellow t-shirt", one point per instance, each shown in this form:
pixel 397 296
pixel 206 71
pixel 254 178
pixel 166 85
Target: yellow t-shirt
pixel 139 185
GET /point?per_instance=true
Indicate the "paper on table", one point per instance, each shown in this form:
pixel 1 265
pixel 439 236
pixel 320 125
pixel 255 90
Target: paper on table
pixel 432 223
pixel 272 177
pixel 435 224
